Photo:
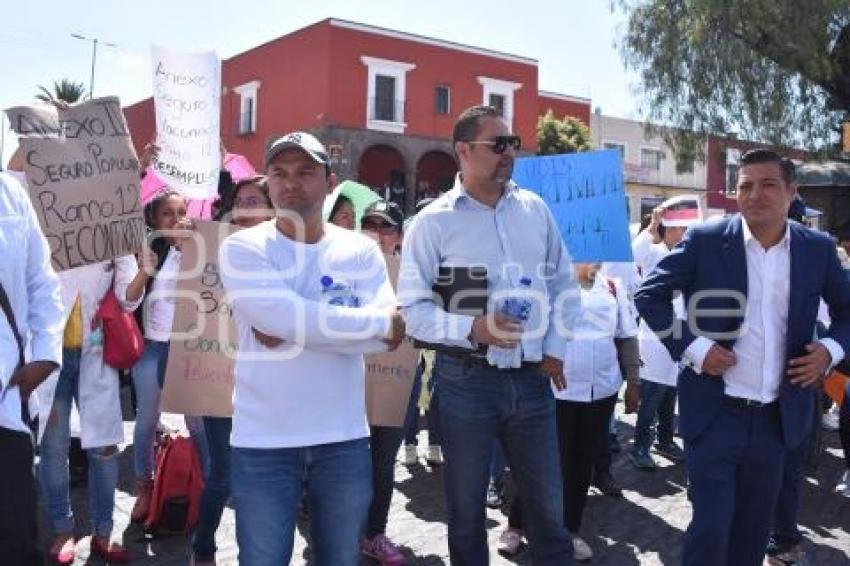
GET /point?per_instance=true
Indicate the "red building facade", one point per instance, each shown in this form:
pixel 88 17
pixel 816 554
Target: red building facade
pixel 383 101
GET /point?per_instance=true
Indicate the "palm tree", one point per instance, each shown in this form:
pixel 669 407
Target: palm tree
pixel 65 89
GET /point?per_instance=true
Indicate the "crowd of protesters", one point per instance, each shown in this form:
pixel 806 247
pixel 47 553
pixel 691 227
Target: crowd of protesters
pixel 532 391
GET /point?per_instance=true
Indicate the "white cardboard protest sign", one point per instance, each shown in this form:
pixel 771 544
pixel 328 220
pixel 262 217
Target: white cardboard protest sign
pixel 187 102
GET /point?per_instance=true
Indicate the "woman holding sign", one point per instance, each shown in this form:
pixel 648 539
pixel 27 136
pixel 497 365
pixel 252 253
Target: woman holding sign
pixel 165 214
pixel 93 386
pixel 248 206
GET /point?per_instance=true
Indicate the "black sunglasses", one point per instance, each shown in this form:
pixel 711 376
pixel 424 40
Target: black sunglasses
pixel 500 143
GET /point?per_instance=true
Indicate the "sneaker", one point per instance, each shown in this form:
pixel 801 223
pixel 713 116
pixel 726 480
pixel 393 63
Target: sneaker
pixel 843 486
pixel 495 495
pixel 510 542
pixel 831 420
pixel 581 550
pixel 671 451
pixel 411 455
pixel 641 459
pixel 607 485
pixel 383 550
pixel 434 456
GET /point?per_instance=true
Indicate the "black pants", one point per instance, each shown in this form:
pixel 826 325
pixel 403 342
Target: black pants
pixel 385 442
pixel 581 428
pixel 582 434
pixel 18 511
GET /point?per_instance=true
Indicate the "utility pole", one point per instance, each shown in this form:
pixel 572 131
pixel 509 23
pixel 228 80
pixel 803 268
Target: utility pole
pixel 95 42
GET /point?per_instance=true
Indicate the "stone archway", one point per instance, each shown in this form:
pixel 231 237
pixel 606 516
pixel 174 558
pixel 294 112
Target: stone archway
pixel 382 167
pixel 435 174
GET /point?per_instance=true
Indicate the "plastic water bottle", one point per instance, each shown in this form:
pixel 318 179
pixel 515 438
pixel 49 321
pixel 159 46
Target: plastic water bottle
pixel 516 308
pixel 337 293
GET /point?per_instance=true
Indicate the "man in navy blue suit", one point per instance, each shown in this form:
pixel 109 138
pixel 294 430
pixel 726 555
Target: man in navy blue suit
pixel 752 284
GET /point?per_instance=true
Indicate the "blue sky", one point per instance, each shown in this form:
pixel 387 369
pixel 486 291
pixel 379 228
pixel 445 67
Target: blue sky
pixel 573 40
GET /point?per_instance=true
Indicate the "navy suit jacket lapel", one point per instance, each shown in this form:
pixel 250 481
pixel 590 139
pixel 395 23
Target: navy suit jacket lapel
pixel 735 256
pixel 795 289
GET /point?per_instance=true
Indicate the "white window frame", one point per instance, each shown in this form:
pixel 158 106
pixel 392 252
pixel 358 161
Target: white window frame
pixel 657 150
pixel 397 70
pixel 504 88
pixel 246 92
pixel 624 145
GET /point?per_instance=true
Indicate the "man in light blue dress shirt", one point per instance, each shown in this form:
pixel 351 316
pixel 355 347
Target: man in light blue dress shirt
pixel 487 221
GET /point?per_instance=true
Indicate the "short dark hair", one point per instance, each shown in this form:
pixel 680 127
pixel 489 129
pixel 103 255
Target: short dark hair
pixel 340 201
pixel 467 124
pixel 764 155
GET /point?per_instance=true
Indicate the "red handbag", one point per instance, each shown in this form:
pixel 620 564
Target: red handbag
pixel 123 342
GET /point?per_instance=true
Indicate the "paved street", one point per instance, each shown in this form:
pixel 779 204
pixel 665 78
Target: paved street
pixel 643 528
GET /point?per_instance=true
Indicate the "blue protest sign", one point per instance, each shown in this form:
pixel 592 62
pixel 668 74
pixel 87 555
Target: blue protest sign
pixel 585 193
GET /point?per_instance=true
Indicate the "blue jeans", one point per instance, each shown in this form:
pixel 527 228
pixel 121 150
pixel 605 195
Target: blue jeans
pixel 478 405
pixel 53 468
pixel 148 377
pixel 268 484
pixel 432 415
pixel 655 400
pixel 385 442
pixel 498 463
pixel 217 487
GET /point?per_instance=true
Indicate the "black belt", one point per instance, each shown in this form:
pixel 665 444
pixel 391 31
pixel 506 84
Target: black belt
pixel 743 403
pixel 470 360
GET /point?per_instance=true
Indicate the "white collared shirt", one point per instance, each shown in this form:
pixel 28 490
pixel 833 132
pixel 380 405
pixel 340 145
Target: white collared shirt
pixel 761 345
pixel 760 350
pixel 590 362
pixel 33 290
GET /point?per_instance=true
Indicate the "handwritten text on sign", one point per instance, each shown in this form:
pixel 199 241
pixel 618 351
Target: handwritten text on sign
pixel 83 178
pixel 187 100
pixel 389 375
pixel 199 375
pixel 585 193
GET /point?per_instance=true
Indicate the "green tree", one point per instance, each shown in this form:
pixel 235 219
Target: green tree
pixel 555 136
pixel 65 89
pixel 774 71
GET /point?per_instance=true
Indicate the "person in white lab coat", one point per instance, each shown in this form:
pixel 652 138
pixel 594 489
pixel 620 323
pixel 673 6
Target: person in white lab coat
pixel 85 380
pixel 658 372
pixel 31 289
pixel 603 349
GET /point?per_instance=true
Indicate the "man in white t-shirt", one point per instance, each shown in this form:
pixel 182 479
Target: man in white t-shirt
pixel 299 418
